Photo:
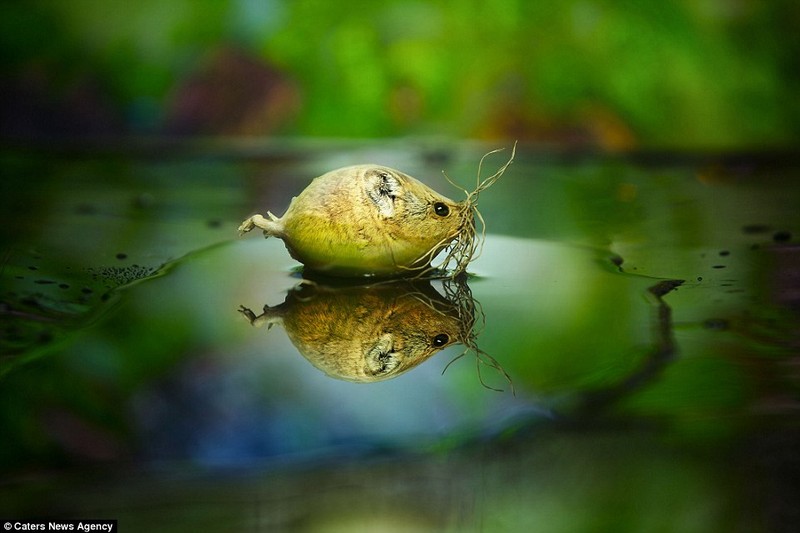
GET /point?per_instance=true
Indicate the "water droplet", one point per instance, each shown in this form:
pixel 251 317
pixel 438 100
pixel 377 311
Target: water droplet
pixel 781 236
pixel 755 228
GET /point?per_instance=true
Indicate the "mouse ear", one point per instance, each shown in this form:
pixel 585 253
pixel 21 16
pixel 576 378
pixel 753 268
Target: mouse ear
pixel 383 188
pixel 380 357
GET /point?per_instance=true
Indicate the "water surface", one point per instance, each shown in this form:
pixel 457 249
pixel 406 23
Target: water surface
pixel 639 316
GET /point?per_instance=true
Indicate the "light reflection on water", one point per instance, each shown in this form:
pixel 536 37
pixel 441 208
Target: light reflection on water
pixel 118 359
pixel 274 380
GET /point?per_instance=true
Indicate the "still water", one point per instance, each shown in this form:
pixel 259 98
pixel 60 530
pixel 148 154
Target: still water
pixel 622 357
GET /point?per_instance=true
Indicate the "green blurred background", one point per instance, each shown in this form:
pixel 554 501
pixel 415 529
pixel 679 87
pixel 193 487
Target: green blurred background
pixel 617 75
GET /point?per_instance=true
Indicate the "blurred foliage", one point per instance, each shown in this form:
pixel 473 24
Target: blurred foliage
pixel 615 74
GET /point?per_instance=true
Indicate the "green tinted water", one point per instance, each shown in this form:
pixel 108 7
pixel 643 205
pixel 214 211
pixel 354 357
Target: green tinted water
pixel 644 310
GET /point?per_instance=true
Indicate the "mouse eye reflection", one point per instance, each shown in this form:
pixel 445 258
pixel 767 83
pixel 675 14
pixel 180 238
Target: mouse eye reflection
pixel 440 340
pixel 441 209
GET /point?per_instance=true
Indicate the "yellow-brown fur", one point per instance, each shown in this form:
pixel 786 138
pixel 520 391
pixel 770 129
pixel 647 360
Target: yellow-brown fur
pixel 366 333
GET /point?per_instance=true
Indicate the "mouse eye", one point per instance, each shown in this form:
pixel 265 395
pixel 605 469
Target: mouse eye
pixel 441 209
pixel 441 339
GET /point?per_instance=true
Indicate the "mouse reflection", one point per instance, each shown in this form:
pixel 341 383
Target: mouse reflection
pixel 375 332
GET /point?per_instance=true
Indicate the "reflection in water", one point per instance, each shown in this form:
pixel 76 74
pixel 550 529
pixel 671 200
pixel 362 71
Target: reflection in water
pixel 367 333
pixel 661 353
